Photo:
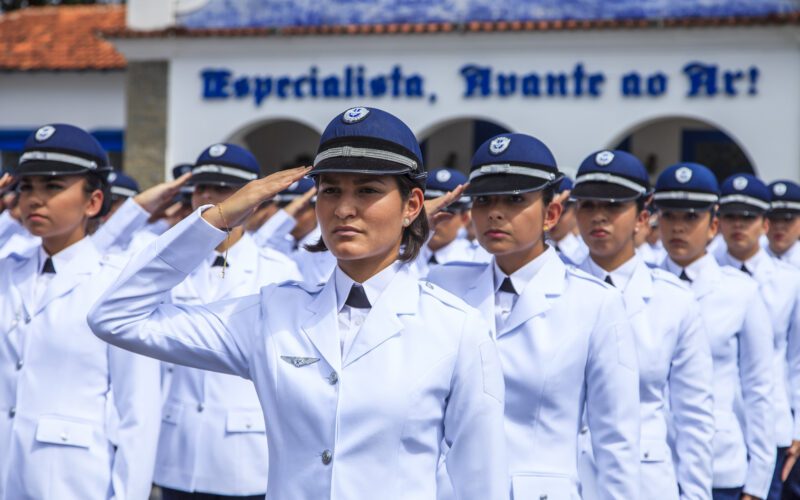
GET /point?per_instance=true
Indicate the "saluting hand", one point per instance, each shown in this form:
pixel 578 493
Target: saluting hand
pixel 159 197
pixel 5 181
pixel 238 207
pixel 434 207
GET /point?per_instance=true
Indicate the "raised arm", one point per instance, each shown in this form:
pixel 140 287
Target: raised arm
pixel 133 315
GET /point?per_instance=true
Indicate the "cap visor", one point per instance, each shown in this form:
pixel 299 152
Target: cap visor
pixel 505 184
pixel 603 191
pixel 740 208
pixel 683 205
pixel 47 168
pixel 216 179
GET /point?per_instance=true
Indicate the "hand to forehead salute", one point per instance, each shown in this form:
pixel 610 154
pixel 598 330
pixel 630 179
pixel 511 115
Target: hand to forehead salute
pixel 241 205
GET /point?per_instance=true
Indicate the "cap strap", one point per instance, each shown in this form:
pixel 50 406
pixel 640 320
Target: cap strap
pixel 685 195
pixel 743 198
pixel 611 179
pixel 376 154
pixel 506 168
pixel 792 205
pixel 123 191
pixel 59 157
pixel 222 169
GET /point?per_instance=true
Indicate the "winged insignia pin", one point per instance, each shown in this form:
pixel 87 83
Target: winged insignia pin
pixel 299 361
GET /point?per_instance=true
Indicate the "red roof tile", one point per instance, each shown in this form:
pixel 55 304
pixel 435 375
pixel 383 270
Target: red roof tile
pixel 791 18
pixel 65 38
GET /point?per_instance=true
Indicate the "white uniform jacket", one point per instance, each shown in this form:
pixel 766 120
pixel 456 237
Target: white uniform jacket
pixel 567 343
pixel 14 237
pixel 421 369
pixel 675 381
pixel 316 267
pixel 459 250
pixel 213 437
pixel 740 332
pixel 56 381
pixel 779 284
pixel 572 247
pixel 790 256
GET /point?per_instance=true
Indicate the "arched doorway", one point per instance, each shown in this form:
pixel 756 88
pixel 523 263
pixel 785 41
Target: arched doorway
pixel 452 143
pixel 665 141
pixel 279 144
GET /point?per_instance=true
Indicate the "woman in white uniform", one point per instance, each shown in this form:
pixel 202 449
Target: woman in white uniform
pixel 738 327
pixel 360 379
pixel 213 442
pixel 56 378
pixel 564 339
pixel 675 366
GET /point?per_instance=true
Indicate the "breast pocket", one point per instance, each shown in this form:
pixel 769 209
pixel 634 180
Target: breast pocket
pixel 62 432
pixel 543 486
pixel 245 421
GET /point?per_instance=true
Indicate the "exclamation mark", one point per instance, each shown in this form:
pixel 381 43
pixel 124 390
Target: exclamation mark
pixel 753 81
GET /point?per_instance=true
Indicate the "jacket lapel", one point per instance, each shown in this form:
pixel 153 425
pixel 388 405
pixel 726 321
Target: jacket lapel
pixel 382 322
pixel 321 327
pixel 535 298
pixel 76 272
pixel 707 278
pixel 639 289
pixel 23 281
pixel 480 295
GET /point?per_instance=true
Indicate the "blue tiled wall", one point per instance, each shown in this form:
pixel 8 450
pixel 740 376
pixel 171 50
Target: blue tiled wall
pixel 274 13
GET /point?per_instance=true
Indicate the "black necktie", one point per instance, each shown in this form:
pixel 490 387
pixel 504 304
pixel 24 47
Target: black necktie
pixel 684 276
pixel 357 298
pixel 608 280
pixel 433 260
pixel 745 270
pixel 220 262
pixel 507 286
pixel 48 267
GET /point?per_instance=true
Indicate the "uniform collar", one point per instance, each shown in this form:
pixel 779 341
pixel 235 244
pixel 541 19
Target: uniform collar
pixel 373 286
pixel 752 264
pixel 788 255
pixel 524 275
pixel 568 243
pixel 453 251
pixel 620 276
pixel 62 259
pixel 694 270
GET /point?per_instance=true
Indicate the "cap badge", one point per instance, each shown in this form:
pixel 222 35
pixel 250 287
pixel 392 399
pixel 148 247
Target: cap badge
pixel 45 133
pixel 683 175
pixel 779 189
pixel 294 186
pixel 217 150
pixel 499 145
pixel 112 177
pixel 443 176
pixel 604 158
pixel 355 115
pixel 739 183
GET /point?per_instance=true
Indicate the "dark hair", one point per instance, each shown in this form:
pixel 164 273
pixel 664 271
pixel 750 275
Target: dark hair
pixel 548 194
pixel 414 236
pixel 93 183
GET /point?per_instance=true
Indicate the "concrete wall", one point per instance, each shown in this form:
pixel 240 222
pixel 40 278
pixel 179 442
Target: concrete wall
pixel 146 134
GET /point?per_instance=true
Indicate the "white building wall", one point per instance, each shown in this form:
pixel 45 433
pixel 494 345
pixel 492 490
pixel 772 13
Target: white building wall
pixel 766 125
pixel 92 100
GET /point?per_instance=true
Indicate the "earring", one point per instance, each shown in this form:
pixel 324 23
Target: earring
pixel 406 222
pixel 546 227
